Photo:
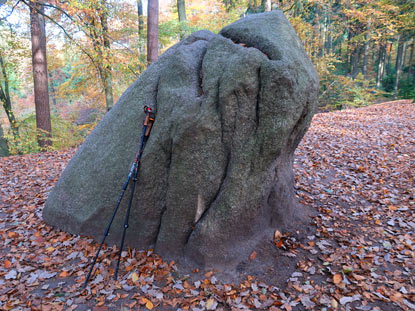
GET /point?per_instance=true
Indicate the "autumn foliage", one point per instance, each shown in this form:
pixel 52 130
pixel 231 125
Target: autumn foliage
pixel 363 51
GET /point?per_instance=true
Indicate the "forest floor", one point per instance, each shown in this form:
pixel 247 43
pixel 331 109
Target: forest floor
pixel 355 167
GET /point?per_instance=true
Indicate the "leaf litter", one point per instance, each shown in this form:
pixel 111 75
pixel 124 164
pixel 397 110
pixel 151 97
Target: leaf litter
pixel 355 167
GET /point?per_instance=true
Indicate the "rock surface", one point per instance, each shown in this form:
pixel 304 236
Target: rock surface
pixel 216 174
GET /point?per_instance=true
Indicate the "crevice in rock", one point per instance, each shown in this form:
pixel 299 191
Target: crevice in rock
pixel 294 138
pixel 156 91
pixel 168 166
pixel 191 229
pixel 218 107
pixel 156 236
pixel 244 44
pixel 271 202
pixel 236 114
pixel 258 99
pixel 210 204
pixel 200 74
pixel 192 39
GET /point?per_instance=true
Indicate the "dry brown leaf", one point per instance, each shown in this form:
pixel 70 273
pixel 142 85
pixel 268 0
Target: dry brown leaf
pixel 337 278
pixel 149 305
pixel 7 264
pixel 134 277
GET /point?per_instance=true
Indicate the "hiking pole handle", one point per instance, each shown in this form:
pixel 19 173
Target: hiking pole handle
pixel 149 120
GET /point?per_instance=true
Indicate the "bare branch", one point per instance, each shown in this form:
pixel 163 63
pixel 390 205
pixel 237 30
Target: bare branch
pixel 133 71
pixel 11 12
pixel 290 8
pixel 59 9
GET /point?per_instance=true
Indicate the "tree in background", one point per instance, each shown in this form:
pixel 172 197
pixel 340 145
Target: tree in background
pixel 91 18
pixel 14 62
pixel 5 97
pixel 40 75
pixel 152 30
pixel 4 148
pixel 98 30
pixel 140 15
pixel 181 10
pixel 355 46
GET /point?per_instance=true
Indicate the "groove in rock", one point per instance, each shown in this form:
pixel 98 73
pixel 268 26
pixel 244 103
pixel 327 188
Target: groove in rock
pixel 258 99
pixel 244 44
pixel 218 107
pixel 156 93
pixel 159 225
pixel 210 204
pixel 294 133
pixel 168 166
pixel 200 73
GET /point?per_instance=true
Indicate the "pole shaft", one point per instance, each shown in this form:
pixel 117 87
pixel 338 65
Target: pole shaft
pixel 127 216
pixel 109 225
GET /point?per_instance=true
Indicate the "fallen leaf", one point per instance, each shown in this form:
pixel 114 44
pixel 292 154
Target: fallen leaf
pixel 149 305
pixel 12 274
pixel 7 264
pixel 211 304
pixel 134 277
pixel 337 278
pixel 63 274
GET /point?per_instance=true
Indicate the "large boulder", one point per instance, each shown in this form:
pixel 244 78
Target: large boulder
pixel 216 174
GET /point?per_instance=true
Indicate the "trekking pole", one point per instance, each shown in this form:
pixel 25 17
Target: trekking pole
pixel 148 122
pixel 147 125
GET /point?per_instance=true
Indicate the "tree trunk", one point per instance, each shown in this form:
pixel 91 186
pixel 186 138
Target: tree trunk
pixel 411 70
pixel 329 43
pixel 152 31
pixel 52 91
pixel 107 70
pixel 107 82
pixel 140 18
pixel 267 5
pixel 323 31
pixel 4 147
pixel 355 61
pixel 398 63
pixel 5 98
pixel 389 54
pixel 381 65
pixel 329 46
pixel 181 10
pixel 365 55
pixel 349 53
pixel 40 76
pixel 141 41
